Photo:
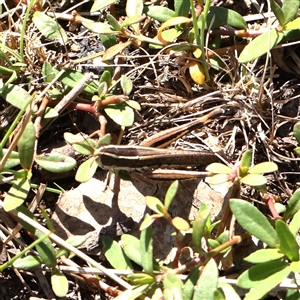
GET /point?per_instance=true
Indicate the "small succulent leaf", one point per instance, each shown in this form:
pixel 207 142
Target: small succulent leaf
pixel 276 9
pixel 190 283
pixel 254 180
pixel 246 159
pixel 146 249
pixel 71 78
pixel 149 220
pixel 294 225
pixel 59 283
pixel 213 243
pixel 55 162
pixel 155 204
pixel 264 255
pixel 264 286
pixel 134 293
pixel 114 50
pixel 171 193
pixel 182 8
pixel 133 104
pixel 23 209
pixel 13 159
pixel 26 146
pixel 261 45
pixel 180 224
pixel 228 291
pixel 172 287
pixel 259 273
pixel 106 77
pixel 105 140
pixel 48 72
pixel 115 254
pixel 46 250
pixel 289 9
pixel 252 220
pixel 75 241
pixel 126 85
pixel 131 247
pixel 98 27
pixel 264 167
pixel 224 16
pixel 159 13
pixel 295 24
pixel 86 147
pixel 50 113
pixel 217 179
pixel 208 281
pixel 287 242
pixel 293 205
pixel 197 72
pixel 296 131
pixel 295 266
pixel 120 113
pixel 102 90
pixel 199 225
pixel 100 4
pixel 17 194
pixel 218 168
pixel 140 278
pixel 131 21
pixel 171 22
pixel 86 170
pixel 113 22
pixel 27 262
pixel 49 27
pixel 297 151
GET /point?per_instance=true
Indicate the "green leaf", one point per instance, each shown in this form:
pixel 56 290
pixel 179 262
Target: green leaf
pixel 27 262
pixel 50 113
pixel 133 104
pixel 260 45
pixel 149 220
pixel 246 160
pixel 295 223
pixel 17 194
pixel 180 224
pixel 199 225
pixel 100 28
pixel 295 266
pixel 131 247
pixel 140 278
pixel 172 287
pixel 293 205
pixel 224 16
pixel 252 220
pixel 296 131
pixel 46 250
pixel 12 161
pixel 287 242
pixel 264 255
pixel 155 204
pixel 49 27
pixel 190 283
pixel 217 179
pixel 146 249
pixel 100 4
pixel 254 180
pixel 182 8
pixel 208 282
pixel 115 254
pixel 228 291
pixel 278 12
pixel 86 170
pixel 26 146
pixel 106 77
pixel 15 95
pixel 291 28
pixel 55 162
pixel 126 85
pixel 159 13
pixel 171 193
pixel 71 79
pixel 113 22
pixel 264 286
pixel 59 283
pixel 259 273
pixel 134 293
pixel 289 9
pixel 264 167
pixel 218 168
pixel 48 72
pixel 75 241
pixel 120 113
pixel 81 144
pixel 102 90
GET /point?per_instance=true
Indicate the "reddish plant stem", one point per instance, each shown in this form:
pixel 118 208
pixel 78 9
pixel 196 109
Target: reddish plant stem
pixel 270 203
